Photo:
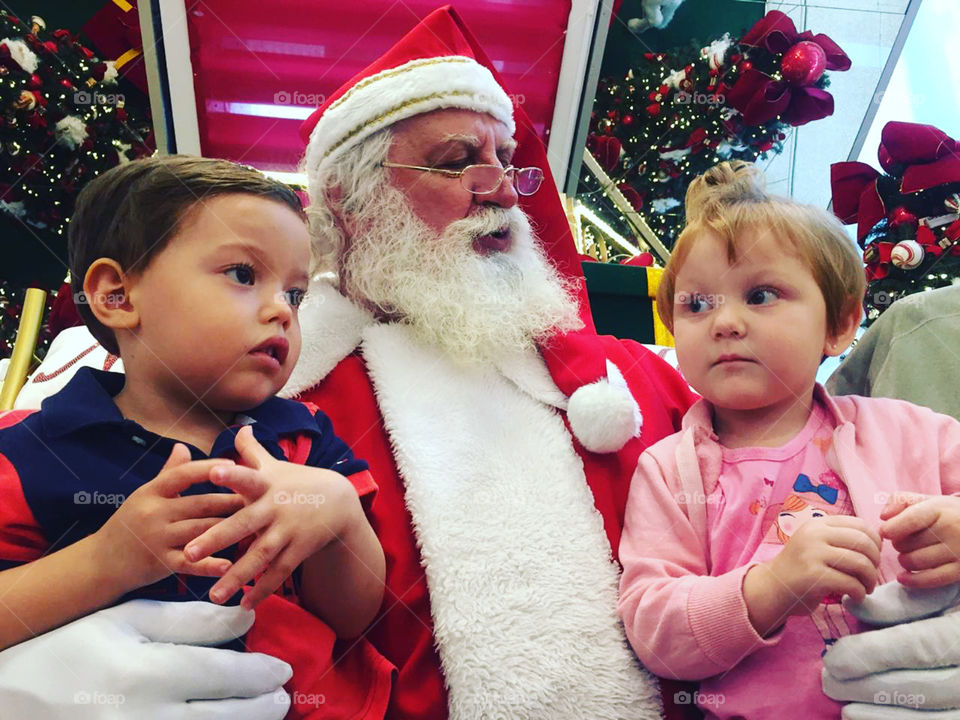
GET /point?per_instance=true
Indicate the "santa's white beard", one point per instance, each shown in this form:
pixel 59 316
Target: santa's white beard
pixel 475 307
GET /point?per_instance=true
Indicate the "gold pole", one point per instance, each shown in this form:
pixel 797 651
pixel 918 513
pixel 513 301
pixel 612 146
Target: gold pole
pixel 24 346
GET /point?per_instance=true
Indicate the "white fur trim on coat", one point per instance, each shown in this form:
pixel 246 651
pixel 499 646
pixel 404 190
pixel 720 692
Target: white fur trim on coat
pixel 413 88
pixel 330 327
pixel 523 587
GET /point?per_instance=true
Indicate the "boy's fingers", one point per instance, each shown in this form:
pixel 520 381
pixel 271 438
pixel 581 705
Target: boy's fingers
pixel 208 567
pixel 205 506
pixel 178 456
pixel 255 560
pixel 242 480
pixel 911 520
pixel 251 452
pixel 280 569
pixel 225 533
pixel 173 481
pixel 899 502
pixel 183 531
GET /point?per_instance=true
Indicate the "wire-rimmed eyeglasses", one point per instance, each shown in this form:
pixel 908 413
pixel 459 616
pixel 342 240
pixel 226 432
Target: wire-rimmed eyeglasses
pixel 486 179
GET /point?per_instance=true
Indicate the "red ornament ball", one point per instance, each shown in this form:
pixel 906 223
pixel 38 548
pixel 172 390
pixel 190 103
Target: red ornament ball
pixel 902 217
pixel 627 119
pixel 804 63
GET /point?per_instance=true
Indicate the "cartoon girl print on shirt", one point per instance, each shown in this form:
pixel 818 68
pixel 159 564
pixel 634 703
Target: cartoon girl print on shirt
pixel 806 502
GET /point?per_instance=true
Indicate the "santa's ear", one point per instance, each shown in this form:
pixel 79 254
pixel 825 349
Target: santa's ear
pixel 106 290
pixel 333 196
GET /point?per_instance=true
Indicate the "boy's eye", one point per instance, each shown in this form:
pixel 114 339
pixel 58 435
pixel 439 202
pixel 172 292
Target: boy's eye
pixel 762 296
pixel 295 296
pixel 242 274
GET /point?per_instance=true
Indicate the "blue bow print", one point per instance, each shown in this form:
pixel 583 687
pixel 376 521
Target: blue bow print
pixel 803 484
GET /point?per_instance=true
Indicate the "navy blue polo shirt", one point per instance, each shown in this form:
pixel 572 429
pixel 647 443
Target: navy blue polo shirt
pixel 66 469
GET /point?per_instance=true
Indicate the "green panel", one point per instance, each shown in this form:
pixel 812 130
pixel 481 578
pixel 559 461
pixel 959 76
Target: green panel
pixel 58 14
pixel 696 20
pixel 619 302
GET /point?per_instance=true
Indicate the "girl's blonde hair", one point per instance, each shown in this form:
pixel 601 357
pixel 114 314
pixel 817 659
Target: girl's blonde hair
pixel 730 201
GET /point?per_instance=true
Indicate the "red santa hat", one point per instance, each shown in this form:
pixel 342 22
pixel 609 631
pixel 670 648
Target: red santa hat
pixel 439 64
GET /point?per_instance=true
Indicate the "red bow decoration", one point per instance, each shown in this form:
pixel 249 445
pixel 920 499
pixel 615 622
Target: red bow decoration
pixel 760 98
pixel 931 158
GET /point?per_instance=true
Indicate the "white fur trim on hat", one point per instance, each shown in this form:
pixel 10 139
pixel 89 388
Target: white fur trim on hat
pixel 604 415
pixel 413 88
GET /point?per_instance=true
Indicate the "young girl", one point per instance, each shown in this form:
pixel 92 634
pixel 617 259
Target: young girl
pixel 774 496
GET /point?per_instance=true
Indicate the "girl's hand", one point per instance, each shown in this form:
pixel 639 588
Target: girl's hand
pixel 294 511
pixel 837 554
pixel 146 535
pixel 925 530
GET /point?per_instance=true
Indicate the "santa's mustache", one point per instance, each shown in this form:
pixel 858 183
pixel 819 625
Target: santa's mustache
pixel 486 221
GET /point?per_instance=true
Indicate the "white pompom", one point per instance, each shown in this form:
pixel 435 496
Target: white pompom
pixel 71 131
pixel 603 417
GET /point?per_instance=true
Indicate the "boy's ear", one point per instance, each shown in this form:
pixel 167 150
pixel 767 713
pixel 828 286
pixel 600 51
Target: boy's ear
pixel 850 323
pixel 106 289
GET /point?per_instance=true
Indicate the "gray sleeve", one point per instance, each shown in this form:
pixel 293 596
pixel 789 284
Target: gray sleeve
pixel 912 352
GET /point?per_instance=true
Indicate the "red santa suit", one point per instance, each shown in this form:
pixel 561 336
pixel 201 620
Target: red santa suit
pixel 498 525
pixel 501 486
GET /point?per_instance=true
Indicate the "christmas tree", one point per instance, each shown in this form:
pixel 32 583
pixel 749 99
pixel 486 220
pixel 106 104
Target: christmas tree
pixel 675 115
pixel 908 217
pixel 63 121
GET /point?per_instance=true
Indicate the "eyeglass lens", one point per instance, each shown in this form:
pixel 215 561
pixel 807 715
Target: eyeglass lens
pixel 483 179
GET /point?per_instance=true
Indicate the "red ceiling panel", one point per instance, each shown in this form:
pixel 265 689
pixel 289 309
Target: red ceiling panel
pixel 261 67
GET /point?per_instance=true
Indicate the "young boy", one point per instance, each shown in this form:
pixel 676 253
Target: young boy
pixel 191 270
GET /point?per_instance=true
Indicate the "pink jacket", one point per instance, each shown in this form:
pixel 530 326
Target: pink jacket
pixel 685 623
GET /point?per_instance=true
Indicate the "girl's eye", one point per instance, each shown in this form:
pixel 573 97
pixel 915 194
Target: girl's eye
pixel 695 303
pixel 241 273
pixel 818 514
pixel 762 296
pixel 295 296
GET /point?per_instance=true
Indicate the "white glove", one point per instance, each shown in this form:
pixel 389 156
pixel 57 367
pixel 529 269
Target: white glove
pixel 143 659
pixel 910 670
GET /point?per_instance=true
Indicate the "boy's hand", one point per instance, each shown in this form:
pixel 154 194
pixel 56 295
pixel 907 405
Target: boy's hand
pixel 837 554
pixel 294 511
pixel 148 531
pixel 925 530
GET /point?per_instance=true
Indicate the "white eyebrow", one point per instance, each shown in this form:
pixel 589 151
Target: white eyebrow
pixel 471 140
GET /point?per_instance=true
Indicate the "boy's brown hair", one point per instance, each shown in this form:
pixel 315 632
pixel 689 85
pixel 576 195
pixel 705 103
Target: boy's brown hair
pixel 730 201
pixel 131 212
